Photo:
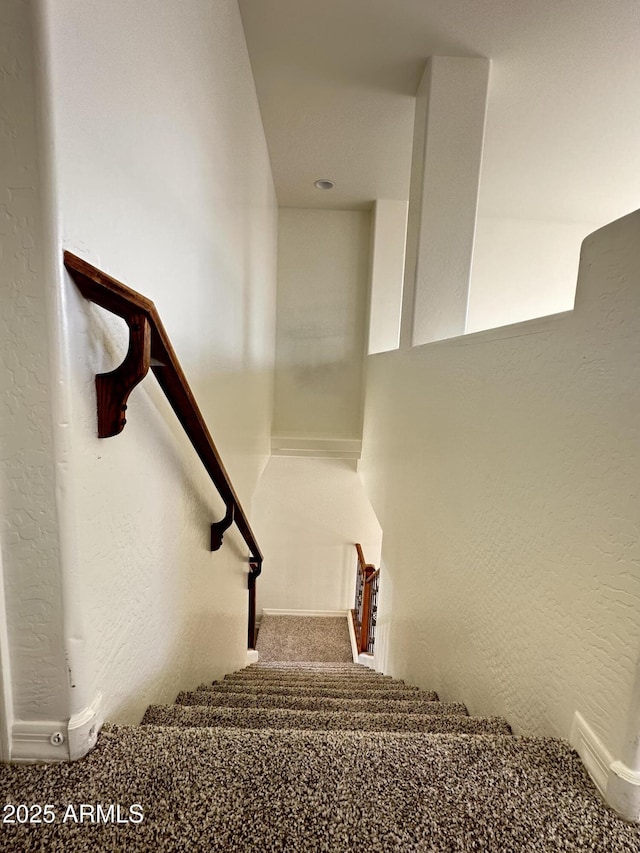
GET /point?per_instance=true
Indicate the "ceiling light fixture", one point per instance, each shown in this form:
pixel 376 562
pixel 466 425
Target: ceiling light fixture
pixel 324 184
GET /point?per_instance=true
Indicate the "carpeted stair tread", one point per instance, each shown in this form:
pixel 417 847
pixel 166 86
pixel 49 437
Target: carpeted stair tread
pixel 255 678
pixel 317 703
pixel 333 693
pixel 279 718
pixel 364 687
pixel 300 791
pixel 355 681
pixel 310 667
pixel 307 666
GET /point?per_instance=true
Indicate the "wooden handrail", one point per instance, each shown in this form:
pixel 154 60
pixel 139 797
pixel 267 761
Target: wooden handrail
pixel 150 348
pixel 362 563
pixel 363 614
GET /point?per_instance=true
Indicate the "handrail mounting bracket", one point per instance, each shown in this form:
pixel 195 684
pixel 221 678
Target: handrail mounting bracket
pixel 113 388
pixel 218 528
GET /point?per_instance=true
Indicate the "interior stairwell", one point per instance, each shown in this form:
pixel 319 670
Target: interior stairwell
pixel 304 755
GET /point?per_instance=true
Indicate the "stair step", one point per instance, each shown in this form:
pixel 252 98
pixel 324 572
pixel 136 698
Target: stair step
pixel 279 718
pixel 310 666
pixel 333 693
pixel 338 684
pixel 307 666
pixel 305 676
pixel 318 703
pixel 242 791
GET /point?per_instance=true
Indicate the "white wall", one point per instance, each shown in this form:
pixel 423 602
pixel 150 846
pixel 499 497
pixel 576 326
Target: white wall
pixel 308 514
pixel 388 239
pixel 504 470
pixel 523 268
pixel 323 277
pixel 162 178
pixel 31 640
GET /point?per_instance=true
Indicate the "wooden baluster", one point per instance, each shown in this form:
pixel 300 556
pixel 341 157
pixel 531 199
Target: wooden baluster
pixel 364 623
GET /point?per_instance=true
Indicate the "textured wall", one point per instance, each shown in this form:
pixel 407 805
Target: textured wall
pixel 323 277
pixel 504 469
pixel 28 531
pixel 308 515
pixel 163 180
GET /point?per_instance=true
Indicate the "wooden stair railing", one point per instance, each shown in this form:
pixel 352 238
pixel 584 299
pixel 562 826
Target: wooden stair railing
pixel 150 348
pixel 365 608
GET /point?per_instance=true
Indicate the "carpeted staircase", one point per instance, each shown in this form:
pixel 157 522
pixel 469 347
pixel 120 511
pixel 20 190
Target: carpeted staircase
pixel 319 756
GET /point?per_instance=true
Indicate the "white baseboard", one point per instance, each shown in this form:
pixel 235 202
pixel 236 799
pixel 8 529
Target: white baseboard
pixel 252 657
pixel 33 741
pixel 83 729
pixel 319 448
pixel 270 611
pixel 623 791
pixel 56 740
pixel 366 660
pixel 352 637
pixel 595 756
pixel 618 784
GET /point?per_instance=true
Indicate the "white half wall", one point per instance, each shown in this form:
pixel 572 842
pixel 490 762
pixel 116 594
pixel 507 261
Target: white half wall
pixel 162 178
pixel 523 268
pixel 323 279
pixel 504 469
pixel 308 514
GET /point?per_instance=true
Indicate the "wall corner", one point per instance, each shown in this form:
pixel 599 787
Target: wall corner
pixel 623 791
pixel 617 783
pixel 83 729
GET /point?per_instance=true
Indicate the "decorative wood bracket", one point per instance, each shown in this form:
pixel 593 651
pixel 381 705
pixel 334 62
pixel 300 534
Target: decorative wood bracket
pixel 218 528
pixel 113 388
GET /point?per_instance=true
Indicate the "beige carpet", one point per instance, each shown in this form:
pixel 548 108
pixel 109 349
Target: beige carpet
pixel 299 638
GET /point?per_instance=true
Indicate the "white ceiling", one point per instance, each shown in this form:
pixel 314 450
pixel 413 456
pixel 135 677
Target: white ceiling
pixel 336 80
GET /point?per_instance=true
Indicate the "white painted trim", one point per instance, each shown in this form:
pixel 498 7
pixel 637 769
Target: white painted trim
pixel 352 637
pixel 327 447
pixel 31 741
pixel 6 693
pixel 623 791
pixel 618 784
pixel 366 660
pixel 270 611
pixel 595 756
pixel 252 657
pixel 317 454
pixel 83 729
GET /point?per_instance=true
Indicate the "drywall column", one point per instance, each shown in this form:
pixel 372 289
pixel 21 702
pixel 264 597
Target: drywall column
pixel 34 671
pixel 389 231
pixel 445 174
